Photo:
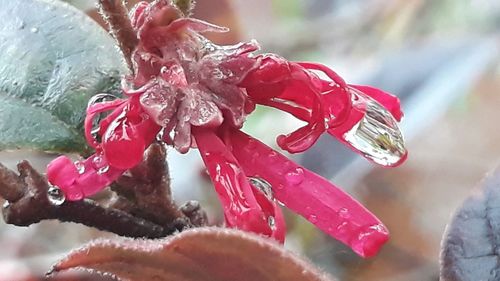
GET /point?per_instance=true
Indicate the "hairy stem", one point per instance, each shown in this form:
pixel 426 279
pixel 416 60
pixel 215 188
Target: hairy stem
pixel 28 203
pixel 186 6
pixel 115 13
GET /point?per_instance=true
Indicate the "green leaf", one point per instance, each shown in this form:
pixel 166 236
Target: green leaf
pixel 53 59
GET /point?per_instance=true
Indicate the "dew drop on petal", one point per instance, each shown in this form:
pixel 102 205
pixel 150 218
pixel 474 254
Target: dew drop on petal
pixel 263 186
pixel 272 222
pixel 342 226
pixel 312 218
pixel 6 204
pixel 98 161
pixel 80 167
pixel 103 170
pixel 377 134
pixel 103 97
pixel 160 135
pixel 56 196
pixel 344 213
pixel 295 176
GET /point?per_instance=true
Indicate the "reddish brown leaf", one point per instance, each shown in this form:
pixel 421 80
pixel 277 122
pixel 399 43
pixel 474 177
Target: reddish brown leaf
pixel 200 254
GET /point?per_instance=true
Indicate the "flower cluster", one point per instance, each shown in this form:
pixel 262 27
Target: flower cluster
pixel 193 93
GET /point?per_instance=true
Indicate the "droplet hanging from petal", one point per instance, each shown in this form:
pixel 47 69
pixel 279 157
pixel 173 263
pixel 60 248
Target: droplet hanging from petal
pixel 377 135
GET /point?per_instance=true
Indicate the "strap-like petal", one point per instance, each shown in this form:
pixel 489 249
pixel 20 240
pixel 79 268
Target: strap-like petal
pixel 313 197
pixel 241 208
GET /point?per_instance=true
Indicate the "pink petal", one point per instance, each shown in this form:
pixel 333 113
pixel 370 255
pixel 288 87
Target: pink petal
pixel 61 171
pixel 92 175
pixel 289 87
pixel 94 110
pixel 195 25
pixel 301 139
pixel 313 197
pixel 390 102
pixel 97 176
pixel 128 135
pixel 241 209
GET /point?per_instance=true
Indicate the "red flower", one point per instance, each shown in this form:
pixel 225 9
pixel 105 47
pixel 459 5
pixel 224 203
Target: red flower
pixel 198 94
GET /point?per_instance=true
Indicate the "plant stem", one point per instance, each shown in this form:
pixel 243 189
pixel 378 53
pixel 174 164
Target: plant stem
pixel 28 203
pixel 186 6
pixel 115 13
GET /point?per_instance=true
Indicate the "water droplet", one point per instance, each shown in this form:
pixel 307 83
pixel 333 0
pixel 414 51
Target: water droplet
pixel 377 134
pixel 342 226
pixel 80 167
pixel 272 222
pixel 344 213
pixel 101 98
pixel 295 176
pixel 98 161
pixel 6 204
pixel 327 123
pixel 103 170
pixel 159 136
pixel 56 196
pixel 262 185
pixel 34 30
pixel 312 218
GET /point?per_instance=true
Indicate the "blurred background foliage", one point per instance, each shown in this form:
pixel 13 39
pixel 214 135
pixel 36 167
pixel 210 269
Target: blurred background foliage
pixel 440 57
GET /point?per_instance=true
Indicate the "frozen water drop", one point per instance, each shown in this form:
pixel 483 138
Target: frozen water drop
pixel 80 167
pixel 56 196
pixel 295 176
pixel 6 204
pixel 34 30
pixel 262 185
pixel 377 134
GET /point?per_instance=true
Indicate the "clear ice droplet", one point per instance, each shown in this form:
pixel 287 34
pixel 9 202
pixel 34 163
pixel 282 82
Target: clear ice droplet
pixel 377 134
pixel 56 196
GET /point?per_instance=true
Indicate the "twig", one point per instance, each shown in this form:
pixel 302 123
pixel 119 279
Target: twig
pixel 115 14
pixel 146 193
pixel 28 203
pixel 142 206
